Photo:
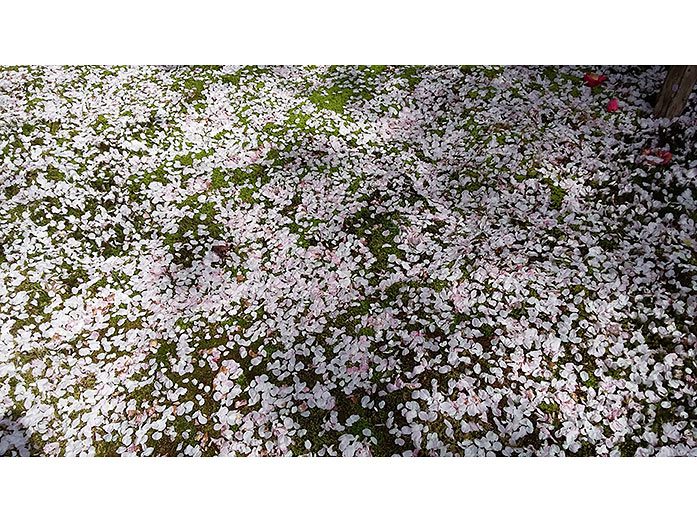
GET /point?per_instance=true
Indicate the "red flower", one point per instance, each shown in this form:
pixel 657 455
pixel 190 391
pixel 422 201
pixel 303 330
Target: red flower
pixel 657 157
pixel 613 105
pixel 665 156
pixel 594 80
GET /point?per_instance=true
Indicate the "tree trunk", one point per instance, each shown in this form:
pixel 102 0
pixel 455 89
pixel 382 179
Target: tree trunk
pixel 675 91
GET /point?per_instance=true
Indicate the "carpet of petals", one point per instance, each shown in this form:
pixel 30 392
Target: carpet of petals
pixel 351 261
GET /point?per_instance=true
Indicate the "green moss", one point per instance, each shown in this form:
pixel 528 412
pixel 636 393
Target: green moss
pixel 297 120
pixel 142 394
pixel 393 292
pixel 379 230
pixel 549 407
pixel 518 312
pixel 246 194
pixel 36 306
pixel 492 72
pixel 592 381
pixel 587 450
pixel 165 351
pixel 350 320
pixel 412 75
pixel 101 123
pixel 628 447
pixel 487 330
pixel 194 88
pixel 254 174
pixel 333 99
pixel 556 194
pixel 135 184
pixel 115 244
pixel 530 173
pixel 53 174
pixel 232 79
pixel 372 70
pixel 356 183
pixel 201 229
pixel 305 232
pixel 608 243
pixel 617 373
pixel 88 382
pixel 374 420
pixel 369 332
pixel 439 285
pixel 187 160
pixel 218 179
pixel 550 73
pixel 12 190
pixel 106 449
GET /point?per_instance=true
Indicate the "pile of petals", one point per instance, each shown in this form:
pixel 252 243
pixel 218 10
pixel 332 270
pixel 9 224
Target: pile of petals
pixel 345 261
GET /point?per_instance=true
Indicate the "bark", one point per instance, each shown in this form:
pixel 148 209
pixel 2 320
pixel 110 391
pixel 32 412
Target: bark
pixel 675 91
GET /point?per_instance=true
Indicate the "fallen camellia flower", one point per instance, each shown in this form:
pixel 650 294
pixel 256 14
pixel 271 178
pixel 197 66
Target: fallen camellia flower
pixel 657 157
pixel 613 105
pixel 221 250
pixel 594 80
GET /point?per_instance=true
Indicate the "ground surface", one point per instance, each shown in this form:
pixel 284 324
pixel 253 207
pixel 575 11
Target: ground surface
pixel 345 261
